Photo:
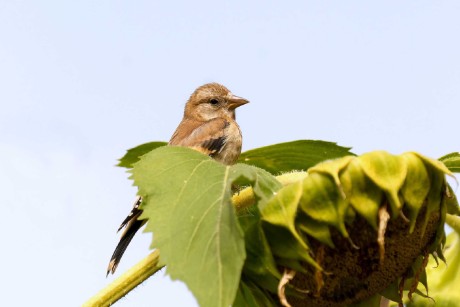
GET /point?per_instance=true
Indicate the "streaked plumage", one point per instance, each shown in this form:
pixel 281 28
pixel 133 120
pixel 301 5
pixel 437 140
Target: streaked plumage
pixel 208 126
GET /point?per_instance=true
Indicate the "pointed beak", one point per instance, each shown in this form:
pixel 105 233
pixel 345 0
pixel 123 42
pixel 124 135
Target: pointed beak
pixel 235 101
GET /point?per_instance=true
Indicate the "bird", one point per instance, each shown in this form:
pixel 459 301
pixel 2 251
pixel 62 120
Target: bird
pixel 208 126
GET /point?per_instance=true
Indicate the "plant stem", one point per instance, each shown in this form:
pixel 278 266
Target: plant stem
pixel 245 198
pixel 126 282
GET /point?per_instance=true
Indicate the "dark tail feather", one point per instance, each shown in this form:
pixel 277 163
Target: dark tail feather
pixel 132 226
pixel 123 244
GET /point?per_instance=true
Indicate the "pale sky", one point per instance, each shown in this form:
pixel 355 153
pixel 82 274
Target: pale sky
pixel 82 81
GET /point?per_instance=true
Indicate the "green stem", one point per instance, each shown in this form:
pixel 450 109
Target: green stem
pixel 126 282
pixel 245 198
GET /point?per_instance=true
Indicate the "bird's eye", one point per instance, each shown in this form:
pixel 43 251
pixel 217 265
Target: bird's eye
pixel 214 101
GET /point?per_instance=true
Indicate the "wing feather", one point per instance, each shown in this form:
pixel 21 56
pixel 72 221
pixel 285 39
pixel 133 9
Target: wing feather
pixel 208 137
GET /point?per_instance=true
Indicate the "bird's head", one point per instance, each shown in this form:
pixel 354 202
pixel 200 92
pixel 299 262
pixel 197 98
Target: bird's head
pixel 212 100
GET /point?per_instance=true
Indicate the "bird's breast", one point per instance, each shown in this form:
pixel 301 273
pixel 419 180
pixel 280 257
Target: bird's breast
pixel 232 149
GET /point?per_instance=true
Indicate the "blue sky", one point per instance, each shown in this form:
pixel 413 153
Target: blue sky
pixel 81 82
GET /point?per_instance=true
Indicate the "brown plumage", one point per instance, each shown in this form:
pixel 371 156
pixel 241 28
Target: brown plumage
pixel 208 126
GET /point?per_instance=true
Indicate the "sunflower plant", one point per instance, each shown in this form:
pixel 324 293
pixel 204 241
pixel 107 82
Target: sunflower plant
pixel 303 223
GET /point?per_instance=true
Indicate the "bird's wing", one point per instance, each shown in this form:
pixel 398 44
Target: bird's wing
pixel 208 137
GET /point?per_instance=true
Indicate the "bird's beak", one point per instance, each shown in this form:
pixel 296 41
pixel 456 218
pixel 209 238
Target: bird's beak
pixel 235 101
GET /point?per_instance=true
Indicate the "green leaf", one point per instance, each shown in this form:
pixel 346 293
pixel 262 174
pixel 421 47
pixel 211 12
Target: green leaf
pixel 454 222
pixel 260 266
pixel 187 201
pixel 435 164
pixel 245 297
pixel 332 168
pixel 416 186
pixel 322 201
pixel 295 155
pixel 264 185
pixel 452 202
pixel 437 188
pixel 319 231
pixel 278 218
pixel 249 295
pixel 452 161
pixel 364 196
pixel 133 155
pixel 388 173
